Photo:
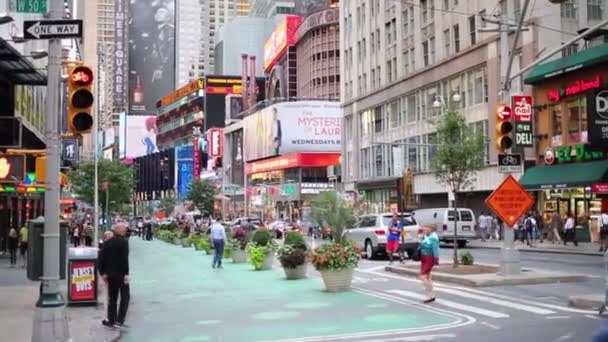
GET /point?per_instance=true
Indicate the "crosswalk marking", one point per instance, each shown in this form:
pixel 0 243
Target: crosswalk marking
pixel 453 305
pixel 517 306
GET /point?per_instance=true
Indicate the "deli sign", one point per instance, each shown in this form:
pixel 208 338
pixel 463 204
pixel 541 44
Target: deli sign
pixel 597 118
pixel 522 110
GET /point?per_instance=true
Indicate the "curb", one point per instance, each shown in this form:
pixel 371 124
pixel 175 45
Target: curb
pixel 593 302
pixel 470 281
pixel 539 250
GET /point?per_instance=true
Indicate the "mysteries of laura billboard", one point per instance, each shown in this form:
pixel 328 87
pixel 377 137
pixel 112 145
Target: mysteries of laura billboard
pixel 151 53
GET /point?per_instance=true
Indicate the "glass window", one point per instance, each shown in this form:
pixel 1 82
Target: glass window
pixel 556 124
pixel 594 9
pixel 425 53
pixel 479 90
pixel 411 108
pixel 466 215
pixel 456 31
pixel 378 157
pixel 568 9
pixel 412 153
pixel 577 121
pixel 393 110
pixel 432 47
pixel 447 42
pixel 473 30
pixel 378 122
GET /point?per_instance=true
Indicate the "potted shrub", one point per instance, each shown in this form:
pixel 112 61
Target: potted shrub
pixel 185 236
pixel 261 250
pixel 195 239
pixel 176 238
pixel 292 256
pixel 238 245
pixel 204 244
pixel 337 260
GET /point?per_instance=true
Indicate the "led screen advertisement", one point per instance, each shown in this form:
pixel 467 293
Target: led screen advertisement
pixel 122 130
pixel 151 53
pixel 185 168
pixel 303 126
pixel 140 135
pixel 282 37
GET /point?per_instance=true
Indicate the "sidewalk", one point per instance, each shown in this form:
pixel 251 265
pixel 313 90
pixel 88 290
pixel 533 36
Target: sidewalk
pixel 583 248
pixel 17 307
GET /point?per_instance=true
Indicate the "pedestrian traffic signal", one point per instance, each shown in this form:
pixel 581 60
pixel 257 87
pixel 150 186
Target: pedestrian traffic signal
pixel 504 128
pixel 80 99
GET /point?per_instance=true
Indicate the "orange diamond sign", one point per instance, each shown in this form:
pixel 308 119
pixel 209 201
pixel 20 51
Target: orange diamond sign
pixel 510 201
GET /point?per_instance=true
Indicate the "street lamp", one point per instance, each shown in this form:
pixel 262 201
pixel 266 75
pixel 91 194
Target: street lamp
pixel 5 18
pixel 38 54
pixel 17 40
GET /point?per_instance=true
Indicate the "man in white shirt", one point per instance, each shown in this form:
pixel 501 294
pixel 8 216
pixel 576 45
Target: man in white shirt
pixel 603 223
pixel 483 226
pixel 218 236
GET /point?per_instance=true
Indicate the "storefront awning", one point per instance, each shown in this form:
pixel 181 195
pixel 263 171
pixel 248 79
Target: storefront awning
pixel 17 68
pixel 583 59
pixel 565 175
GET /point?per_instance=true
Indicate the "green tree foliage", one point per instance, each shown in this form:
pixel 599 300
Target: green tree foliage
pixel 202 193
pixel 332 211
pixel 458 156
pixel 168 204
pixel 119 176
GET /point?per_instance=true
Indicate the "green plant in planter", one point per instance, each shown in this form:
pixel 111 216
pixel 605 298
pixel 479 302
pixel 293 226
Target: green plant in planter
pixel 294 251
pixel 335 256
pixel 204 244
pixel 466 258
pixel 261 246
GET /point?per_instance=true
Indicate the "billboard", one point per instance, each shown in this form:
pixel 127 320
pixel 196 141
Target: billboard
pixel 120 54
pixel 122 136
pixel 185 170
pixel 140 136
pixel 282 37
pixel 151 53
pixel 288 127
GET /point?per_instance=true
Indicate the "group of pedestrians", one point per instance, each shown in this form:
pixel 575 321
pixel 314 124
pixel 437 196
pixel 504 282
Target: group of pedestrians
pixel 144 229
pixel 490 227
pixel 82 232
pixel 18 240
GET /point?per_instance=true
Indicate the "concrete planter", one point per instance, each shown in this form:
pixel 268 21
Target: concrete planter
pixel 268 260
pixel 298 272
pixel 186 242
pixel 239 256
pixel 337 280
pixel 177 241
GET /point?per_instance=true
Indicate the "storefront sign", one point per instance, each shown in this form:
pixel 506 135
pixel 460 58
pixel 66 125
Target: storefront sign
pixel 578 87
pixel 294 160
pixel 510 201
pixel 597 118
pixel 577 152
pixel 315 188
pixel 549 156
pixel 82 280
pixel 522 108
pixel 599 188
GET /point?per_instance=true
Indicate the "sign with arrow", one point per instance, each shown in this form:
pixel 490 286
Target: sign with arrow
pixel 52 29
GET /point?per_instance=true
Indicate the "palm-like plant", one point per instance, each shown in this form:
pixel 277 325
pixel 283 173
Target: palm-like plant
pixel 331 210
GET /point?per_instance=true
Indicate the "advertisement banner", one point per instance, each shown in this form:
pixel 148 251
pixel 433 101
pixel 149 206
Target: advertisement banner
pixel 151 53
pixel 140 135
pixel 303 126
pixel 82 280
pixel 122 135
pixel 597 119
pixel 215 137
pixel 185 170
pixel 282 37
pixel 522 111
pixel 120 54
pixel 196 156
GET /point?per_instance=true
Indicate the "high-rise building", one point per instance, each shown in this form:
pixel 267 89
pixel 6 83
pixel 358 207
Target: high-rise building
pixel 403 63
pixel 270 8
pixel 214 13
pixel 188 38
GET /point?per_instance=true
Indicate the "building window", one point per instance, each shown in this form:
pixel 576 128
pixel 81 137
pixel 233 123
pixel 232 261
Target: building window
pixel 516 9
pixel 378 157
pixel 447 42
pixel 406 62
pixel 389 71
pixel 568 9
pixel 393 114
pixel 412 153
pixel 404 19
pixel 556 124
pixel 594 10
pixel 446 5
pixel 456 31
pixel 372 41
pixel 378 120
pixel 570 50
pixel 425 53
pixel 411 109
pixel 373 79
pixel 424 10
pixel 577 121
pixel 473 30
pixel 432 47
pixel 482 15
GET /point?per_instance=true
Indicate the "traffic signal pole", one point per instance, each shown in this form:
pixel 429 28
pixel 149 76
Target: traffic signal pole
pixel 50 320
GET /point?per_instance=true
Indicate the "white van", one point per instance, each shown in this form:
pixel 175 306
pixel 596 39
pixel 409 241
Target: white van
pixel 443 218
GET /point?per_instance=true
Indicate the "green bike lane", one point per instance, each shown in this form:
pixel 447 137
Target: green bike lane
pixel 177 296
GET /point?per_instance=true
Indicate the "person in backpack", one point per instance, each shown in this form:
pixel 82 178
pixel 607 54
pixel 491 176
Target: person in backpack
pixel 603 223
pixel 530 227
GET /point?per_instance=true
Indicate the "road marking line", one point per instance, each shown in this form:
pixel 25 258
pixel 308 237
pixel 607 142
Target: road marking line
pixel 494 301
pixel 416 338
pixel 443 285
pixel 490 325
pixel 564 337
pixel 453 305
pixel 557 317
pixel 599 318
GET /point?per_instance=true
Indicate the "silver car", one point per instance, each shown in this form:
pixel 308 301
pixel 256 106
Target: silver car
pixel 370 232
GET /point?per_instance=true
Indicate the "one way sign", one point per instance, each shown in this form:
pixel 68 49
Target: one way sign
pixel 52 29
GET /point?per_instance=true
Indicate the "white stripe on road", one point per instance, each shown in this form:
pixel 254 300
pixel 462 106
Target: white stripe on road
pixel 490 325
pixel 557 317
pixel 453 305
pixel 415 338
pixel 500 302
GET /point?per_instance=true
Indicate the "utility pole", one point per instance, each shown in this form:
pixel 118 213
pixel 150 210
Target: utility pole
pixel 50 320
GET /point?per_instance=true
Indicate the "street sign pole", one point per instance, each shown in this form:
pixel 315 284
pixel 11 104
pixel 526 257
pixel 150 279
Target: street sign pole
pixel 50 320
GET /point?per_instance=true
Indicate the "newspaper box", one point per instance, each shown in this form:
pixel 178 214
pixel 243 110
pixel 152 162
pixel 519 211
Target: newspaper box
pixel 82 275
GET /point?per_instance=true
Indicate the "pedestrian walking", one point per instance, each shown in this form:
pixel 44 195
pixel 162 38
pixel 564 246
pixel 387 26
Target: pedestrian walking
pixel 218 235
pixel 483 226
pixel 114 270
pixel 148 230
pixel 556 226
pixel 603 222
pixel 140 229
pixel 429 257
pixel 13 243
pixel 570 230
pixel 76 236
pixel 88 234
pixel 395 228
pixel 530 229
pixel 540 227
pixel 23 243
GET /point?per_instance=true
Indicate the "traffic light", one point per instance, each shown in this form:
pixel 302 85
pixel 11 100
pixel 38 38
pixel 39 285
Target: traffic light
pixel 504 128
pixel 80 99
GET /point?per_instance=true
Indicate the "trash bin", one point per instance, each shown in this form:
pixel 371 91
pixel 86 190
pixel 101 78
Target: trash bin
pixel 582 234
pixel 82 275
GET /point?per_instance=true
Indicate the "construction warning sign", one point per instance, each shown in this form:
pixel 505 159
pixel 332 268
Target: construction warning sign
pixel 510 201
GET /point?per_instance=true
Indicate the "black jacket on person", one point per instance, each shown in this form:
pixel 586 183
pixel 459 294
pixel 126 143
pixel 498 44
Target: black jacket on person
pixel 114 257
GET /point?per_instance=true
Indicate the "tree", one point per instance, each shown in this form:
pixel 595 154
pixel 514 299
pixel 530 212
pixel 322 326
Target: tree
pixel 458 156
pixel 120 180
pixel 331 210
pixel 202 195
pixel 167 204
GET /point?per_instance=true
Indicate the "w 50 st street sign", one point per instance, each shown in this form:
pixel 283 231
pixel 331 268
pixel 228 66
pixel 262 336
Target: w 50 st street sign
pixel 52 29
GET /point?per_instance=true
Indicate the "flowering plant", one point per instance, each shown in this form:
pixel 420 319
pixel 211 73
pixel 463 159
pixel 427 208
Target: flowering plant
pixel 336 256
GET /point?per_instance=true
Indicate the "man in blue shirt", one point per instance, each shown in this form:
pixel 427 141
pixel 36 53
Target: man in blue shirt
pixel 394 236
pixel 218 235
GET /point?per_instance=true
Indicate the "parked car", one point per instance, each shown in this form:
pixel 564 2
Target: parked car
pixel 370 232
pixel 241 221
pixel 443 218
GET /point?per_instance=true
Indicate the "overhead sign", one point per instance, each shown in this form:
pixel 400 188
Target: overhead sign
pixel 69 149
pixel 215 142
pixel 597 118
pixel 50 29
pixel 510 201
pixel 12 168
pixel 29 6
pixel 576 153
pixel 509 163
pixel 522 109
